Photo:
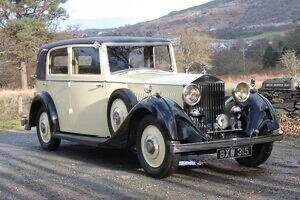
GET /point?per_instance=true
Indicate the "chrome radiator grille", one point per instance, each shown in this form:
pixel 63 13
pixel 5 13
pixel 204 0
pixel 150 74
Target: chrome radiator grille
pixel 212 104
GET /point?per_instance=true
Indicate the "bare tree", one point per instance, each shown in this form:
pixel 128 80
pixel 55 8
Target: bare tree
pixel 290 61
pixel 69 32
pixel 194 52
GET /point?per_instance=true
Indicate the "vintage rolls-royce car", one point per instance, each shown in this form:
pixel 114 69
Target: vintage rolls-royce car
pixel 125 92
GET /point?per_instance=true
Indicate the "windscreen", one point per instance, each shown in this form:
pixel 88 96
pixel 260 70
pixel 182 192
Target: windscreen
pixel 135 57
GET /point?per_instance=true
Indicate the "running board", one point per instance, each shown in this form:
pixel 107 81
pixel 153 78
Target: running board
pixel 82 139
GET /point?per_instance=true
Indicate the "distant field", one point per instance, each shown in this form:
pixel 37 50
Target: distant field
pixel 266 35
pixel 260 77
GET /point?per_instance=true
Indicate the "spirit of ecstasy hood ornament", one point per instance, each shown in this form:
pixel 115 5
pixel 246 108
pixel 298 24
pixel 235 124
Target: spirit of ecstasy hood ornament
pixel 204 72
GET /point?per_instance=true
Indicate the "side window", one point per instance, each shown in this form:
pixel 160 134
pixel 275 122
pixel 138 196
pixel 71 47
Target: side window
pixel 85 60
pixel 58 61
pixel 162 58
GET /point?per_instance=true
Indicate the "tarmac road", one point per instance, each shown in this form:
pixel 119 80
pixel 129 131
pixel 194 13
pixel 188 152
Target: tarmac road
pixel 76 172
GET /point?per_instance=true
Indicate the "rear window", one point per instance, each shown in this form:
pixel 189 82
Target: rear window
pixel 85 60
pixel 58 61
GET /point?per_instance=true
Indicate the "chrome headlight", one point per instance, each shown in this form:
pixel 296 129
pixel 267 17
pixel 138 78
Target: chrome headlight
pixel 191 94
pixel 241 92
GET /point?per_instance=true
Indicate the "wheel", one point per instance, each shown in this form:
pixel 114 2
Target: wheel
pixel 260 154
pixel 119 105
pixel 152 149
pixel 118 113
pixel 44 131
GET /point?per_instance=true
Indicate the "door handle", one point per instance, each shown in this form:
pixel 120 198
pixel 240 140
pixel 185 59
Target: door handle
pixel 45 84
pixel 100 85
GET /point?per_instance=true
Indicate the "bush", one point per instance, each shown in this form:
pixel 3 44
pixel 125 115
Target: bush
pixel 9 103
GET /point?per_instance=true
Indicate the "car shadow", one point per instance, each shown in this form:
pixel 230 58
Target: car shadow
pixel 19 163
pixel 126 160
pixel 210 172
pixel 210 169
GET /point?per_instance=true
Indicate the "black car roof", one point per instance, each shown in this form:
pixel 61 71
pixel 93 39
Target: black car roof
pixel 91 40
pixel 41 69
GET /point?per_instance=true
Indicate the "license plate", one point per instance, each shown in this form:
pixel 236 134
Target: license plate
pixel 234 152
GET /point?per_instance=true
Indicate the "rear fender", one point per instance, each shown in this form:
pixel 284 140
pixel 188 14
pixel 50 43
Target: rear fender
pixel 43 99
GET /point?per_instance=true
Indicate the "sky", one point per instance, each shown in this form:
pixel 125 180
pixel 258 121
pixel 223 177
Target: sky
pixel 116 13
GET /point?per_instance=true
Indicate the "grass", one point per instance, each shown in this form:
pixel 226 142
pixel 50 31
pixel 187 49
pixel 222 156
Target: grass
pixel 9 124
pixel 10 109
pixel 266 35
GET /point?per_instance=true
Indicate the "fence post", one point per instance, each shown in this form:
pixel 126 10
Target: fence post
pixel 20 103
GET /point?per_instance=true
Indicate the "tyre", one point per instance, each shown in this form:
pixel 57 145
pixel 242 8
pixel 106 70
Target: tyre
pixel 260 154
pixel 44 131
pixel 152 149
pixel 119 105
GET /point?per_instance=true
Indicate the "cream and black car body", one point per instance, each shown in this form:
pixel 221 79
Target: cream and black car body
pixel 125 92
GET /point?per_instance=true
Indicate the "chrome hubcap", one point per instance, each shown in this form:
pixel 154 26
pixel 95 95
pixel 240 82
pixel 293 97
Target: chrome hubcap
pixel 117 118
pixel 118 114
pixel 153 146
pixel 44 128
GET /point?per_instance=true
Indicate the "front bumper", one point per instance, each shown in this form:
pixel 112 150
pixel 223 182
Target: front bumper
pixel 212 145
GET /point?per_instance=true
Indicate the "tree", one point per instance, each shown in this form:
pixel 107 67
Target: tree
pixel 290 61
pixel 255 51
pixel 27 24
pixel 194 51
pixel 293 40
pixel 270 57
pixel 228 61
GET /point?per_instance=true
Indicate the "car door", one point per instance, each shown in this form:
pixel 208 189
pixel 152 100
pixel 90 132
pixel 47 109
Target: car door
pixel 56 84
pixel 88 94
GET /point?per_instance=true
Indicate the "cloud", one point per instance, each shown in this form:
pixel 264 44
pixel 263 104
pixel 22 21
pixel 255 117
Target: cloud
pixel 114 13
pixel 99 23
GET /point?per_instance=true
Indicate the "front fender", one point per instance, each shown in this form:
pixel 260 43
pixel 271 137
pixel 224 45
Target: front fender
pixel 173 120
pixel 261 115
pixel 186 131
